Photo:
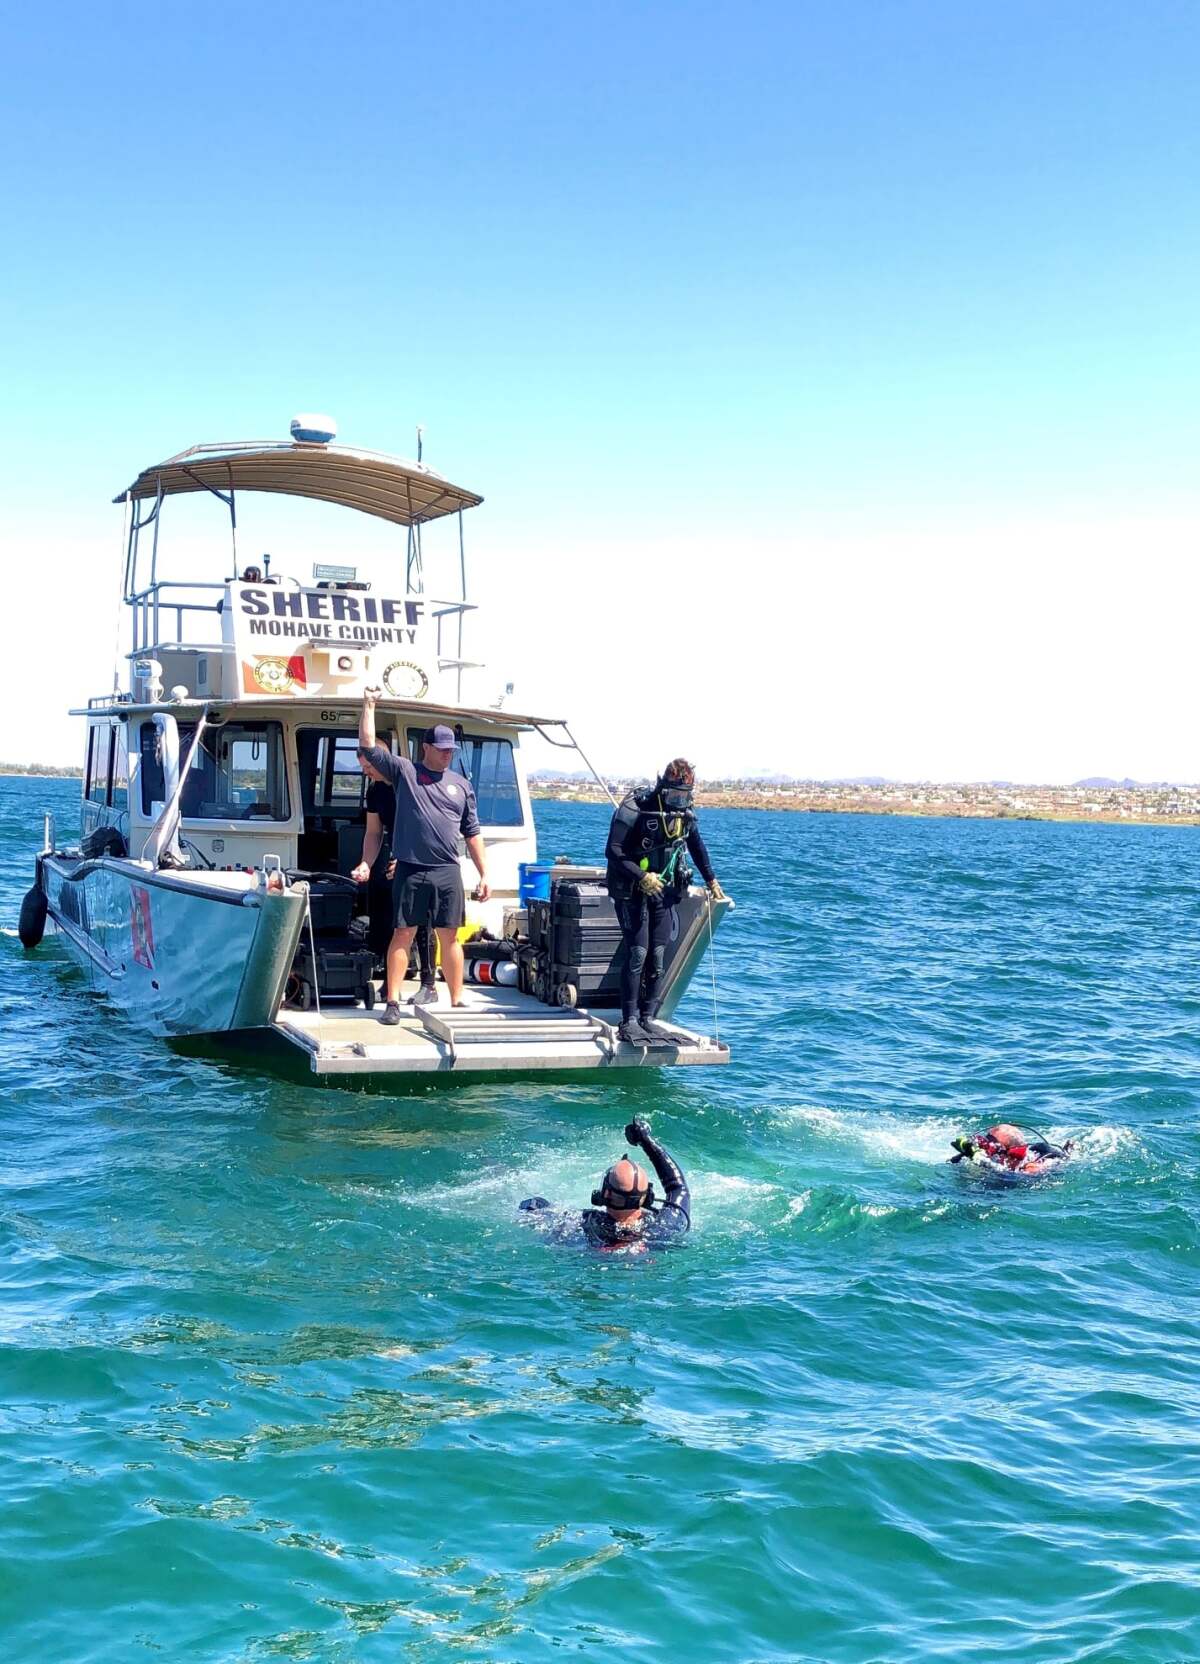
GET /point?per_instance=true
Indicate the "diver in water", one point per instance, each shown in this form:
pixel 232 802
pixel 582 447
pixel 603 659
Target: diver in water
pixel 651 834
pixel 1006 1147
pixel 624 1214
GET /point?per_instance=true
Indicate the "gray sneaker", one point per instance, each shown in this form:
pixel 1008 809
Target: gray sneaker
pixel 426 994
pixel 391 1015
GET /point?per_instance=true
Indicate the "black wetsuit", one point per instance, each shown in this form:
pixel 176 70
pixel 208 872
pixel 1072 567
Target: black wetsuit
pixel 381 801
pixel 640 831
pixel 595 1226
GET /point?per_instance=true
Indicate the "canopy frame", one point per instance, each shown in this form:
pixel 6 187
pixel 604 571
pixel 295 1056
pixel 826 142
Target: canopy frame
pixel 389 488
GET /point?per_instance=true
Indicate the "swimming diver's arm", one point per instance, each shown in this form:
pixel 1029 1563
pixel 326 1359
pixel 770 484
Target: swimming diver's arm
pixel 670 1175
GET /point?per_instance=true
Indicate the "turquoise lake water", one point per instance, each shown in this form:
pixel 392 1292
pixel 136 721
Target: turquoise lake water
pixel 285 1378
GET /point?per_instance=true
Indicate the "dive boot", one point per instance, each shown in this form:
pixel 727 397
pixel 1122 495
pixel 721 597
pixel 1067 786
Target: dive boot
pixel 392 1014
pixel 658 1035
pixel 632 1032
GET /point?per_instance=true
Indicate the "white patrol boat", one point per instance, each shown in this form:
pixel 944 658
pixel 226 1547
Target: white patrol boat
pixel 223 804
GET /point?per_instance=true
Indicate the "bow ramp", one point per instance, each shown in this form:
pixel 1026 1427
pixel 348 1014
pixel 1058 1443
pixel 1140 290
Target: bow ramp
pixel 498 1030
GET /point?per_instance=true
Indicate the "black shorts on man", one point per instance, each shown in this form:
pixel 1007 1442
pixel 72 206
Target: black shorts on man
pixel 429 895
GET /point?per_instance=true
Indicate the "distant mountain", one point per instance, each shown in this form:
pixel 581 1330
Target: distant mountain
pixel 1126 785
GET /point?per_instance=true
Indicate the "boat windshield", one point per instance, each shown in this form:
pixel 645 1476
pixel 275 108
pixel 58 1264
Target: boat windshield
pixel 239 773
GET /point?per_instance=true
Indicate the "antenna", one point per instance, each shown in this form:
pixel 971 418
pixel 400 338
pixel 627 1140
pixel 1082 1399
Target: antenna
pixel 415 575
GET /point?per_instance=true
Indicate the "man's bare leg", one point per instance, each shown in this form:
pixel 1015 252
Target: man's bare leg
pixel 397 961
pixel 452 962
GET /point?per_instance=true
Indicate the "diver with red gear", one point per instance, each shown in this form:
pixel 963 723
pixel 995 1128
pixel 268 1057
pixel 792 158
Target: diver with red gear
pixel 1006 1147
pixel 647 874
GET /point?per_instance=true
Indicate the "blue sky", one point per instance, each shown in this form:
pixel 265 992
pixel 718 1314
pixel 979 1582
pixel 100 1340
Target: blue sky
pixel 708 301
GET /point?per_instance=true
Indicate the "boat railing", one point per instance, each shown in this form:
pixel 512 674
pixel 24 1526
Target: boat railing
pixel 448 618
pixel 159 603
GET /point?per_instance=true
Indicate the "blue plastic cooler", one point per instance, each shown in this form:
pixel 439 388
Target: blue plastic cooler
pixel 533 881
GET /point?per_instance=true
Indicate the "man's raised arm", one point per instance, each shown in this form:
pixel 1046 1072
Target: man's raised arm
pixel 366 718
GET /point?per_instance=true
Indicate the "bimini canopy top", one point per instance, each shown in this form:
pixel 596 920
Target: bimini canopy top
pixel 407 493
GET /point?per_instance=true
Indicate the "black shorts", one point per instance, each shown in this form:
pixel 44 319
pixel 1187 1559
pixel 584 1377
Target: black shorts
pixel 428 895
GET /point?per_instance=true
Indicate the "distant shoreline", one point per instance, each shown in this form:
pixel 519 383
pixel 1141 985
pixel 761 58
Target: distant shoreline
pixel 1145 806
pixel 40 774
pixel 981 809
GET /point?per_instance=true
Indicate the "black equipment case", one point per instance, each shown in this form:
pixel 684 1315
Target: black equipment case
pixel 342 965
pixel 576 947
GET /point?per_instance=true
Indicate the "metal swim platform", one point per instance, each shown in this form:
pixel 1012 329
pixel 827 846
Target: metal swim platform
pixel 500 1029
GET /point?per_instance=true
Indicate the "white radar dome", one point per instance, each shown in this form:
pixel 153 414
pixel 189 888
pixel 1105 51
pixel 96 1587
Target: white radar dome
pixel 311 429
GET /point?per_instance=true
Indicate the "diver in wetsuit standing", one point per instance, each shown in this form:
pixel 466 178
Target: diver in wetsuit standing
pixel 650 835
pixel 623 1214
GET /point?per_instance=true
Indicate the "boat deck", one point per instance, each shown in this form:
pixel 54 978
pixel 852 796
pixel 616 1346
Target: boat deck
pixel 498 1029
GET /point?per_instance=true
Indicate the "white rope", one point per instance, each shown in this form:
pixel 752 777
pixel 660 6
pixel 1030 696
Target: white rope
pixel 712 964
pixel 312 943
pixel 597 776
pixel 575 746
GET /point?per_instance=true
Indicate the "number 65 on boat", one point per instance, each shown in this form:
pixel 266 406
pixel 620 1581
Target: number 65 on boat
pixel 223 807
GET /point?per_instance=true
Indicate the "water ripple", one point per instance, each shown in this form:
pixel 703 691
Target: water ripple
pixel 286 1378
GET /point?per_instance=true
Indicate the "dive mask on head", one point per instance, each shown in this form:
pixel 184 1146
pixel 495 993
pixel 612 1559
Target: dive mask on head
pixel 611 1195
pixel 677 785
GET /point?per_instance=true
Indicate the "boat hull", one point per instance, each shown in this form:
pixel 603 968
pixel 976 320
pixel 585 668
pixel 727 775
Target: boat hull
pixel 186 955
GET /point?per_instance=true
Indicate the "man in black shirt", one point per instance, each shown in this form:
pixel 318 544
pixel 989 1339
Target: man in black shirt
pixel 377 869
pixel 650 835
pixel 435 808
pixel 623 1214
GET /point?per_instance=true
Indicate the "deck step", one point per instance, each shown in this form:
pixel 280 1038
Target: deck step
pixel 469 1026
pixel 498 1030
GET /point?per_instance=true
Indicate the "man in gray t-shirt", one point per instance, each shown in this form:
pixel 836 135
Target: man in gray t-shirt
pixel 434 809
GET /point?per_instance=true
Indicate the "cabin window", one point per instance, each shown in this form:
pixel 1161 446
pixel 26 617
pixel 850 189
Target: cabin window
pixel 330 776
pixel 494 776
pixel 239 773
pixel 347 782
pixel 150 769
pixel 491 768
pixel 118 794
pixel 99 765
pixel 89 772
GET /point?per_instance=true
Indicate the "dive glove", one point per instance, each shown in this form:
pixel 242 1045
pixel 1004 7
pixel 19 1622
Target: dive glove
pixel 650 884
pixel 635 1130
